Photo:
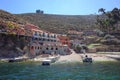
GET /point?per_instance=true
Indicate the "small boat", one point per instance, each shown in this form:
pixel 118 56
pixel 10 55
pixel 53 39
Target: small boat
pixel 87 59
pixel 46 62
pixel 17 59
pixel 50 60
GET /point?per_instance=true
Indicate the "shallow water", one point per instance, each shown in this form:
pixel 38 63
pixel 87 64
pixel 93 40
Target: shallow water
pixel 61 71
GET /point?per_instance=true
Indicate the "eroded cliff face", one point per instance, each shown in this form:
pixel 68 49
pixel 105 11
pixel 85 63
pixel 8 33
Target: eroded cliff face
pixel 12 46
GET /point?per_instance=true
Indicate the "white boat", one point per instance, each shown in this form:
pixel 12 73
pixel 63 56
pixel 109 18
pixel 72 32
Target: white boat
pixel 46 62
pixel 50 60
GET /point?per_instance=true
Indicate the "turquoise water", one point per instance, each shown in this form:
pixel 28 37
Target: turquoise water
pixel 68 71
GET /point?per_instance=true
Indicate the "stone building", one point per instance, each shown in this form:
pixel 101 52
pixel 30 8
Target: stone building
pixel 44 42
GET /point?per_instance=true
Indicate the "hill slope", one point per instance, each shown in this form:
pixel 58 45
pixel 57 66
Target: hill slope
pixel 60 23
pixel 6 16
pixel 52 23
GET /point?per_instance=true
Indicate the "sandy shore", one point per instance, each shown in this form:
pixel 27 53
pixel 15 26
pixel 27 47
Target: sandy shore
pixel 74 57
pixel 70 58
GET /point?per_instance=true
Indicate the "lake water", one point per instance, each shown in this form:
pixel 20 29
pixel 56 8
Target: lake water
pixel 61 71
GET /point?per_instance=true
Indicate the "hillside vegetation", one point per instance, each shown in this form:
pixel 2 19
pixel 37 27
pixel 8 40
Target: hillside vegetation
pixel 11 45
pixel 60 23
pixel 17 24
pixel 6 16
pixel 53 23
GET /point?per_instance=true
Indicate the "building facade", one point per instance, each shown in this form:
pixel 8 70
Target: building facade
pixel 44 42
pixel 64 40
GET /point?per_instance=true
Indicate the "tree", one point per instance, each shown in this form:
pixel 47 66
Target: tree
pixel 78 48
pixel 39 11
pixel 107 20
pixel 101 10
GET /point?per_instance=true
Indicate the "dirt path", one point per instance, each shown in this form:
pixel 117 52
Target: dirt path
pixel 70 58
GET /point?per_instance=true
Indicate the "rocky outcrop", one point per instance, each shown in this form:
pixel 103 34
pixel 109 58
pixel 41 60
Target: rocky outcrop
pixel 12 46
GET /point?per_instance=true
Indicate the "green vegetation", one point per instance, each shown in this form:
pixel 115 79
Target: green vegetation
pixel 60 23
pixel 93 45
pixel 15 24
pixel 106 21
pixel 6 16
pixel 53 23
pixel 109 21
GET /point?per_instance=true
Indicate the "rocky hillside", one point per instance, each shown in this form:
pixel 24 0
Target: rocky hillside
pixel 6 16
pixel 60 23
pixel 52 23
pixel 12 45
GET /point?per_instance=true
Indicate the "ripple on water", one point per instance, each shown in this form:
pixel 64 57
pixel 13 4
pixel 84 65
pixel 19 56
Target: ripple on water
pixel 68 71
